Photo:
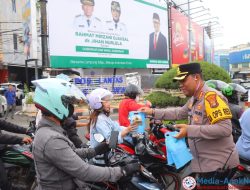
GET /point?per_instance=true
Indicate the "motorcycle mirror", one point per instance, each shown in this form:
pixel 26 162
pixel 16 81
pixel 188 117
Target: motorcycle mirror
pixel 99 137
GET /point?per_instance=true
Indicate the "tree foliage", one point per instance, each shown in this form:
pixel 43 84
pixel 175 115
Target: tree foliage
pixel 162 99
pixel 209 71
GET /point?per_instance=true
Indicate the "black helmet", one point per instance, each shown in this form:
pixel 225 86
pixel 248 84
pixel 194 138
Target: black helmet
pixel 132 91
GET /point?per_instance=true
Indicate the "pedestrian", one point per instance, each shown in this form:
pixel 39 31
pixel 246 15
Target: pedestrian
pixel 209 129
pixel 10 96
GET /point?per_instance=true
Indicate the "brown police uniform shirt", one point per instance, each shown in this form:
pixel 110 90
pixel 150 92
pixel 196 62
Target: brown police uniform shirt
pixel 209 131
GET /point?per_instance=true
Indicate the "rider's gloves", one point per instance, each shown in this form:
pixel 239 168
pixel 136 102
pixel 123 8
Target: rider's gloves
pixel 101 148
pixel 129 169
pixel 69 123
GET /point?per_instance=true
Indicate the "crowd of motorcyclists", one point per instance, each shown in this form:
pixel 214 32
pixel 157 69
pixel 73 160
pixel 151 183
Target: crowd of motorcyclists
pixel 60 155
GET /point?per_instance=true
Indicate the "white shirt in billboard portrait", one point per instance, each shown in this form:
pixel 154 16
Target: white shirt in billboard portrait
pixel 83 23
pixel 116 28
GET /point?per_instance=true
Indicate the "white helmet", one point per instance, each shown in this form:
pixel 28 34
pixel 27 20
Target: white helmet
pixel 96 96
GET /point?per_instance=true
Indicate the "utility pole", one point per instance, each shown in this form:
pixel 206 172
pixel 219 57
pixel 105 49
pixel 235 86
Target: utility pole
pixel 169 33
pixel 44 34
pixel 189 33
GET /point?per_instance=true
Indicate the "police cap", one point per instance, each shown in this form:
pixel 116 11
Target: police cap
pixel 88 2
pixel 187 69
pixel 115 6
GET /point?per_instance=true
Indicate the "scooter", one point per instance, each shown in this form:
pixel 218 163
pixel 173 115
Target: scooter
pixel 152 154
pixel 143 180
pixel 19 165
pixel 241 179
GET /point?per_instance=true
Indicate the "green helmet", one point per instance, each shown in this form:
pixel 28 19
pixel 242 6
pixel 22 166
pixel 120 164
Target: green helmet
pixel 211 85
pixel 227 91
pixel 55 95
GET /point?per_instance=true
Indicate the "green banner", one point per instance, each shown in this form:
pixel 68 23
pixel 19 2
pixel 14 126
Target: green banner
pixel 101 50
pixel 96 62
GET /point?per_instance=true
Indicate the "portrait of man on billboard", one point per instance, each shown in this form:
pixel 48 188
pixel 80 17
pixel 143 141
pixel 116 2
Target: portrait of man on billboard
pixel 87 21
pixel 115 25
pixel 157 41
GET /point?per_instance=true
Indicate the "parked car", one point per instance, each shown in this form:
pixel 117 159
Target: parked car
pixel 3 103
pixel 246 85
pixel 19 91
pixel 237 81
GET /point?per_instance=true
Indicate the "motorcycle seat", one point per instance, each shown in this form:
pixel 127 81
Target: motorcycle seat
pixel 125 142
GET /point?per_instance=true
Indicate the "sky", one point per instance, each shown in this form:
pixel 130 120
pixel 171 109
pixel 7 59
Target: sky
pixel 234 16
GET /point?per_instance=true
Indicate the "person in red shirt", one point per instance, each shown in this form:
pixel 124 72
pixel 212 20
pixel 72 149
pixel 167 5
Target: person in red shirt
pixel 130 103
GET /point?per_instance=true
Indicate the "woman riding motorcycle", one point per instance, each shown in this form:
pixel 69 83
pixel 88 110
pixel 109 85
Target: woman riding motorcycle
pixel 243 144
pixel 100 122
pixel 59 164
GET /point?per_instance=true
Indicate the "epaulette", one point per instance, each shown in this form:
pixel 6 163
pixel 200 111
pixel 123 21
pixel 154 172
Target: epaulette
pixel 97 19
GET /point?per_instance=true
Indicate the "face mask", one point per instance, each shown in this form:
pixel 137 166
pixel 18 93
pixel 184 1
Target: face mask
pixel 137 99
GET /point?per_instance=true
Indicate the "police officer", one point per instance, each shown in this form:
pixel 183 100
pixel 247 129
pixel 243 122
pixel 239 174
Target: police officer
pixel 115 26
pixel 87 21
pixel 209 129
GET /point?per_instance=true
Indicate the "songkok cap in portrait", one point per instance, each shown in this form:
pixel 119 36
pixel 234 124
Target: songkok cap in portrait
pixel 115 6
pixel 156 16
pixel 88 2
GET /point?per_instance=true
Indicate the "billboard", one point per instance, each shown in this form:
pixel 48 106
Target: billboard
pixel 180 39
pixel 242 56
pixel 108 34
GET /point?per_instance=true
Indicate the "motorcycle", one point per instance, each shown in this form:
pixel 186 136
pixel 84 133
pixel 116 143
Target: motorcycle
pixel 152 154
pixel 241 178
pixel 143 180
pixel 19 166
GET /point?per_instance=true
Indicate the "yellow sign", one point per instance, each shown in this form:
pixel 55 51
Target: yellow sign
pixel 216 108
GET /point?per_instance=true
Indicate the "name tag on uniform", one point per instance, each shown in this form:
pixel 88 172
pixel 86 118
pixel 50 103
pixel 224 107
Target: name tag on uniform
pixel 216 108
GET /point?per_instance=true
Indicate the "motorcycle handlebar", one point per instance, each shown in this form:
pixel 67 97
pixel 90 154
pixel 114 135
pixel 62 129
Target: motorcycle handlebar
pixel 172 128
pixel 167 128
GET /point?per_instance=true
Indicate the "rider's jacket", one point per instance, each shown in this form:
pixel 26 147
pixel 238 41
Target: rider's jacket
pixel 209 130
pixel 58 163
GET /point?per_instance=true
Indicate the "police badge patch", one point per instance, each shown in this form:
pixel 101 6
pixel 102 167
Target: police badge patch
pixel 211 98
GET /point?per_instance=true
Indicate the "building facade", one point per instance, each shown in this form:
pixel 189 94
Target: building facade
pixel 239 61
pixel 18 39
